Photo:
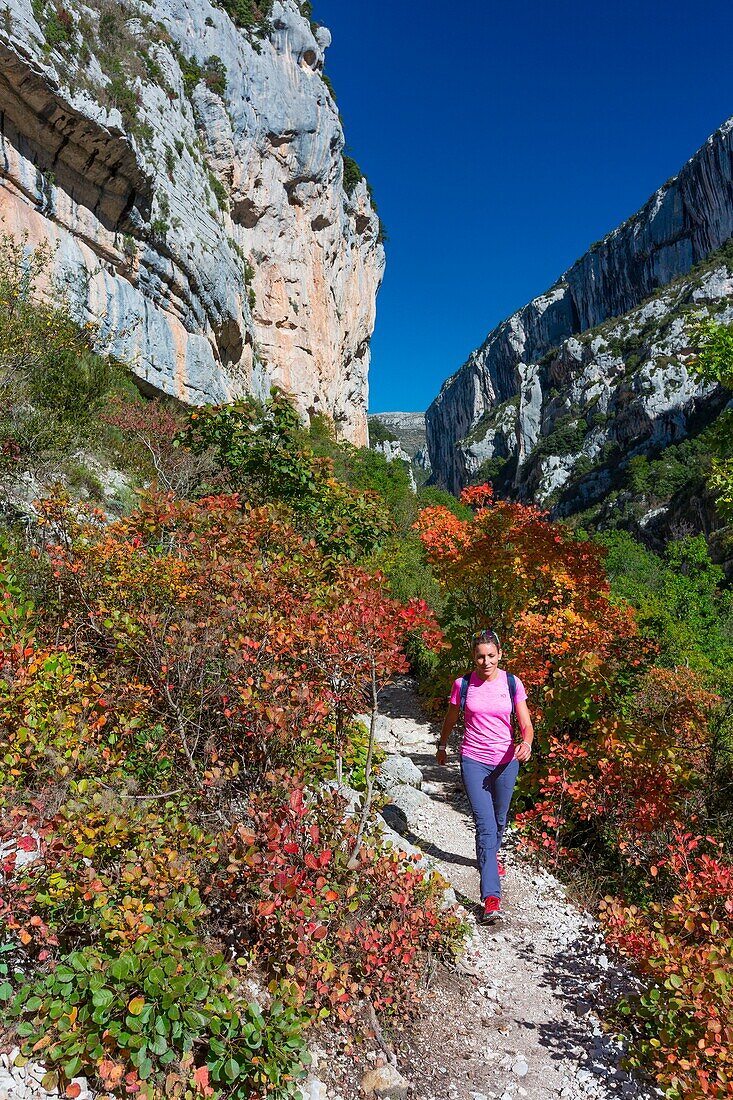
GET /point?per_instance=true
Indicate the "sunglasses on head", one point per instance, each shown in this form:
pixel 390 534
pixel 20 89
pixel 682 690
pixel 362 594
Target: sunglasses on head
pixel 487 636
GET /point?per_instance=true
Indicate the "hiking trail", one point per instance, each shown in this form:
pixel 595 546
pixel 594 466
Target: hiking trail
pixel 517 1018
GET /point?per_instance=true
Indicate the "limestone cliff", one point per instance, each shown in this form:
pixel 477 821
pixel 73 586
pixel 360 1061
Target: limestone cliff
pixel 189 175
pixel 594 371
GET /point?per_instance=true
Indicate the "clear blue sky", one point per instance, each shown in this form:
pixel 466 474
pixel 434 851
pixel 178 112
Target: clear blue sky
pixel 501 140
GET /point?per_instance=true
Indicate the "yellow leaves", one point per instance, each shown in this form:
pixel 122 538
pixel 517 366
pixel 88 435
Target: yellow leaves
pixel 136 1005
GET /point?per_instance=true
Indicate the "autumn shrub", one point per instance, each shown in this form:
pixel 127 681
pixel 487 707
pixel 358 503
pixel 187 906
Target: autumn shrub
pixel 339 929
pixel 341 755
pixel 680 1025
pixel 112 898
pixel 52 710
pixel 542 590
pixel 634 780
pixel 179 652
pixel 117 867
pixel 231 631
pixel 141 438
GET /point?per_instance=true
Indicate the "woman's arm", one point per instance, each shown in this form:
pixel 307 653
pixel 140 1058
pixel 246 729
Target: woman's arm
pixel 523 751
pixel 451 717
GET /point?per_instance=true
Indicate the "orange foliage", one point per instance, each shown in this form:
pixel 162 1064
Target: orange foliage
pixel 622 774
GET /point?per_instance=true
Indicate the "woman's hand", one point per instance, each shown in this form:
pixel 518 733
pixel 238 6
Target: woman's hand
pixel 451 717
pixel 523 752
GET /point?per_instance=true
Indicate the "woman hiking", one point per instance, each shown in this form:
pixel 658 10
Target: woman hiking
pixel 489 757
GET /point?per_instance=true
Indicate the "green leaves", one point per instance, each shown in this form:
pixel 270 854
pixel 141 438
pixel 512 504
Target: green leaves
pixel 159 1001
pixel 262 451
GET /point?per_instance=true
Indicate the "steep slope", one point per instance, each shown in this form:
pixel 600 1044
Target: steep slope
pixel 188 174
pixel 587 367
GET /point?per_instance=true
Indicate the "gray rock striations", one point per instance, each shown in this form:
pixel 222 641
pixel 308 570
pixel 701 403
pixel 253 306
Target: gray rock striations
pixel 407 428
pixel 594 370
pixel 189 176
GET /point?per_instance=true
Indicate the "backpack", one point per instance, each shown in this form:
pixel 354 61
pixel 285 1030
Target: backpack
pixel 511 684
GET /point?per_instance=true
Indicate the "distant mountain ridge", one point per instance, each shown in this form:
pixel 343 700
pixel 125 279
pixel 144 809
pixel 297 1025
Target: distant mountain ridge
pixel 401 436
pixel 543 402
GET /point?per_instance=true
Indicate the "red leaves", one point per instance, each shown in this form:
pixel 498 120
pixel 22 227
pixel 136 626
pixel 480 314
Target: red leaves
pixel 388 915
pixel 297 803
pixel 684 949
pixel 204 608
pixel 201 1081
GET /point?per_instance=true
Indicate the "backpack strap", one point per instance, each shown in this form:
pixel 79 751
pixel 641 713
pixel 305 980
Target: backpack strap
pixel 465 681
pixel 512 685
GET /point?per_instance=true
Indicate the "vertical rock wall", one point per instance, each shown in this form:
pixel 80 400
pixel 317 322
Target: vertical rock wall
pixel 471 421
pixel 195 203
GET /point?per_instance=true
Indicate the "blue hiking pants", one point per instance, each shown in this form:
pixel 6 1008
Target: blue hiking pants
pixel 489 788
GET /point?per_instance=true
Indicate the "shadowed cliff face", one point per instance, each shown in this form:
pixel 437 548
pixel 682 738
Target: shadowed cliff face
pixel 189 177
pixel 534 371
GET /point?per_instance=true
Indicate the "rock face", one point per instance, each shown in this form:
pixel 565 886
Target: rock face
pixel 402 436
pixel 594 371
pixel 189 177
pixel 408 428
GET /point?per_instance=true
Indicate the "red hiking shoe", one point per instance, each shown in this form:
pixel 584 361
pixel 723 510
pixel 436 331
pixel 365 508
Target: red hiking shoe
pixel 500 867
pixel 492 908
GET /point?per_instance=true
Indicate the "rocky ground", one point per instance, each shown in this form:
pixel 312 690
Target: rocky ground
pixel 518 1018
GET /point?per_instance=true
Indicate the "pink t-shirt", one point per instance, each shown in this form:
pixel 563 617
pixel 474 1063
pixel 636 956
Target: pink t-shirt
pixel 487 735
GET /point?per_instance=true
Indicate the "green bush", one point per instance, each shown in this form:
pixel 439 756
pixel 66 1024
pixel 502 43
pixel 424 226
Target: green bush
pixel 220 192
pixel 352 175
pixel 681 599
pixel 191 72
pixel 262 452
pixel 490 470
pixel 677 467
pixel 168 1007
pixel 252 14
pixel 59 28
pixel 125 98
pixel 380 433
pixel 566 438
pixel 214 74
pixel 54 384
